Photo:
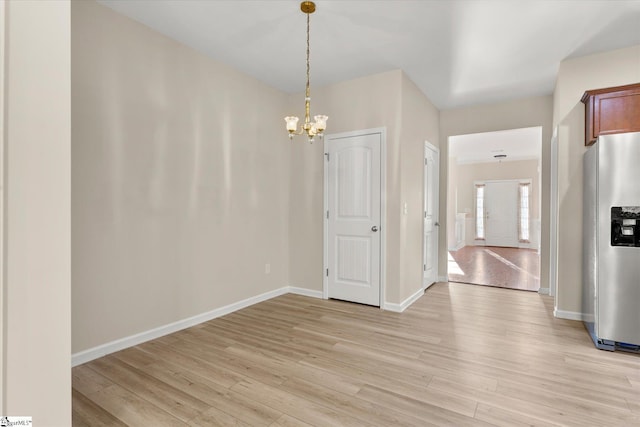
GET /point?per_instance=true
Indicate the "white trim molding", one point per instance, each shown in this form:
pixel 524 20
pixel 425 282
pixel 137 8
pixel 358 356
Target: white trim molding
pixel 399 308
pixel 428 286
pixel 553 217
pixel 305 292
pixel 569 315
pixel 132 340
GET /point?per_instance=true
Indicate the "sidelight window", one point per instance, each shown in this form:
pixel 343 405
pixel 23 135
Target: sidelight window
pixel 524 211
pixel 480 212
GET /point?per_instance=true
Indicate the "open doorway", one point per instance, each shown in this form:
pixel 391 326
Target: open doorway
pixel 493 208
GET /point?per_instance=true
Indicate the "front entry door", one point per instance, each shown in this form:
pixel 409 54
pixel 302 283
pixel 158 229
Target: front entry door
pixel 353 217
pixel 501 211
pixel 431 195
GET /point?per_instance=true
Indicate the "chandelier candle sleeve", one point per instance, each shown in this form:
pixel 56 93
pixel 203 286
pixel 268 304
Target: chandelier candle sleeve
pixel 320 121
pixel 292 123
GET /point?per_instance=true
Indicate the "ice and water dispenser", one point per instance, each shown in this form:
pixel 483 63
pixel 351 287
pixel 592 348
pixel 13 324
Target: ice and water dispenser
pixel 625 226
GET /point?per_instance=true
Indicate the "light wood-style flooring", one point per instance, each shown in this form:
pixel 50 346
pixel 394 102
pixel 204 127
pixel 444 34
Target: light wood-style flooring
pixel 496 266
pixel 461 355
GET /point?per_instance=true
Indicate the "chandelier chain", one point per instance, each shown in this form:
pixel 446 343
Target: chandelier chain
pixel 308 90
pixel 308 54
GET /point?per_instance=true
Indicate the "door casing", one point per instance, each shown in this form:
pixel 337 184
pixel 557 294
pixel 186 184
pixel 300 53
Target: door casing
pixel 429 148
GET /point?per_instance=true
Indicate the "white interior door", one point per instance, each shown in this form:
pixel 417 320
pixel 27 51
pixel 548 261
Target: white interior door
pixel 431 195
pixel 501 213
pixel 353 218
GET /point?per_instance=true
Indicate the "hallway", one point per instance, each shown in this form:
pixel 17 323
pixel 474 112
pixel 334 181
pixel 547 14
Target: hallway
pixel 496 266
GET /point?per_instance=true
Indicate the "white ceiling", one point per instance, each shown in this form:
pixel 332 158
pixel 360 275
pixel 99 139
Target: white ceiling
pixel 516 144
pixel 458 52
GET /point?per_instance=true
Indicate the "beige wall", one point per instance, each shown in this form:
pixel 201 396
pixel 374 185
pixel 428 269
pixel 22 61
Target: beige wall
pixel 420 123
pixel 37 279
pixel 528 112
pixel 451 208
pixel 577 75
pixel 614 68
pixel 387 100
pixel 462 178
pixel 180 181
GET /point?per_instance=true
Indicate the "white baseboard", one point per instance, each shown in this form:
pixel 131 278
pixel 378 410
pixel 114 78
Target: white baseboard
pixel 424 288
pixel 569 315
pixel 399 308
pixel 305 292
pixel 543 291
pixel 130 341
pixel 444 279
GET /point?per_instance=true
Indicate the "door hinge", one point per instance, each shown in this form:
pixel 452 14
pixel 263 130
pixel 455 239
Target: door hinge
pixel 328 157
pixel 327 272
pixel 424 267
pixel 327 214
pixel 426 162
pixel 425 214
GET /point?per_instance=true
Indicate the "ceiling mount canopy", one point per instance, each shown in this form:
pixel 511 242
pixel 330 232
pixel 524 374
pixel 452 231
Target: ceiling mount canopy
pixel 308 7
pixel 311 129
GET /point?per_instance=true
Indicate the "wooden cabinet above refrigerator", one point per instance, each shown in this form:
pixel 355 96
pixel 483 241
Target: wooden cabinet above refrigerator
pixel 611 110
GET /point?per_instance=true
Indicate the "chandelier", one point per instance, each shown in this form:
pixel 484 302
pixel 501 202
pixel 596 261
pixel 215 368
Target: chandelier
pixel 320 123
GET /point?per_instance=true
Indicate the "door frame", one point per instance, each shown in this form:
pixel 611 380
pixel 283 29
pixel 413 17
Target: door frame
pixel 383 207
pixel 553 222
pixel 436 210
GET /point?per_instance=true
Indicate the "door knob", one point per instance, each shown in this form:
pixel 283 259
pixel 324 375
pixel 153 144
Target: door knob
pixel 374 228
pixel 437 224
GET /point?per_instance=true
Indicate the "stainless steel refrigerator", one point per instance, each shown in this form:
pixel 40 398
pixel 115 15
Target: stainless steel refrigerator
pixel 611 248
